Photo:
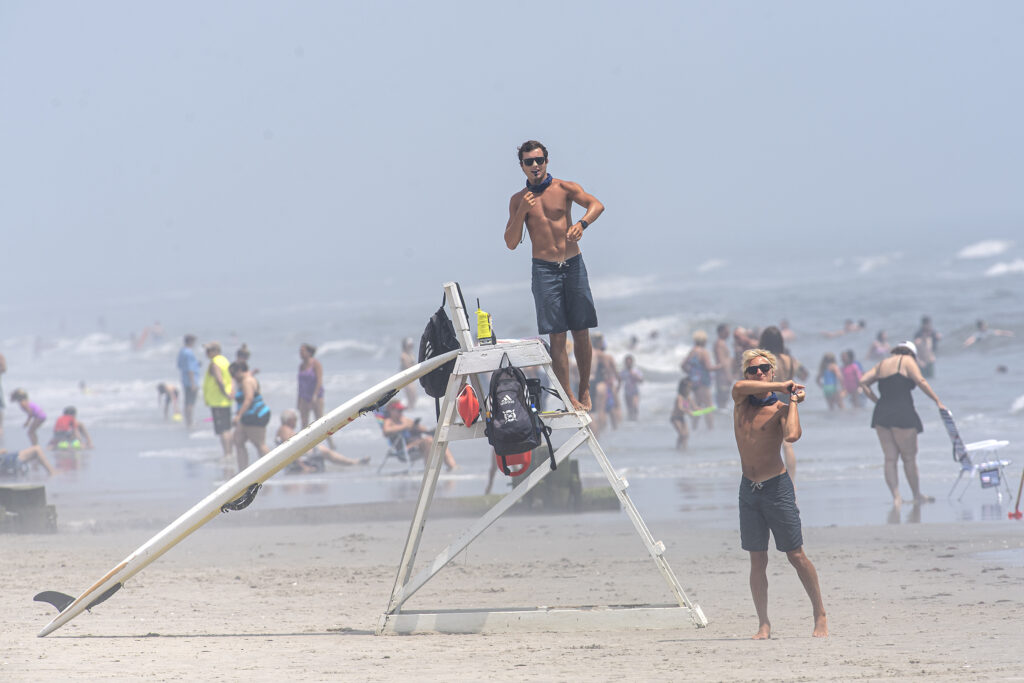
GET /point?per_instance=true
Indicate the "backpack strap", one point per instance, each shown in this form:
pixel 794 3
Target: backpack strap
pixel 546 431
pixel 554 393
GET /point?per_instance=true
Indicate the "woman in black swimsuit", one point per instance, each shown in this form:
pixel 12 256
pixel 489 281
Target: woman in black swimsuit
pixel 895 419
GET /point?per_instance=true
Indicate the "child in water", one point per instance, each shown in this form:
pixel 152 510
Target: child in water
pixel 682 407
pixel 36 416
pixel 68 432
pixel 851 379
pixel 828 380
pixel 630 380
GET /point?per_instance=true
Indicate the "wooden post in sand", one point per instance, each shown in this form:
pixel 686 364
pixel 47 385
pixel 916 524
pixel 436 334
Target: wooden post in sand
pixel 472 361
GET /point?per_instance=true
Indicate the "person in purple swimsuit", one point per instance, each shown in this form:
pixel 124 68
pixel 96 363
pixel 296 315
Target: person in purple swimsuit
pixel 36 416
pixel 311 387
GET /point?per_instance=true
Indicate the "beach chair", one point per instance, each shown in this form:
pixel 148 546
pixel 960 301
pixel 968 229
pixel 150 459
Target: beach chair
pixel 976 457
pixel 397 449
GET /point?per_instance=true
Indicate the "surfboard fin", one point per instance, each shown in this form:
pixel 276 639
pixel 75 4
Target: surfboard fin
pixel 379 403
pixel 106 594
pixel 55 598
pixel 244 500
pixel 62 600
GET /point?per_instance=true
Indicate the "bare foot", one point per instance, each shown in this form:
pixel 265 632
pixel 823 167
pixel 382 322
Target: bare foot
pixel 763 633
pixel 584 400
pixel 820 627
pixel 923 499
pixel 574 402
pixel 897 501
pixel 364 461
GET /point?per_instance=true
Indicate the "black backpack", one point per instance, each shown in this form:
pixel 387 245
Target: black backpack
pixel 513 424
pixel 438 339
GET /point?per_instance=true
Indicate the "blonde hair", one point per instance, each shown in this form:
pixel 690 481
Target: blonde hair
pixel 700 337
pixel 751 354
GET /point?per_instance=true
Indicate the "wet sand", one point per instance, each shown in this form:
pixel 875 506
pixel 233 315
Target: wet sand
pixel 247 602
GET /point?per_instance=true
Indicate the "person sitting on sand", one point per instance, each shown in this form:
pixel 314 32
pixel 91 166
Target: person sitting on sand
pixel 418 439
pixel 313 461
pixel 767 499
pixel 15 465
pixel 68 432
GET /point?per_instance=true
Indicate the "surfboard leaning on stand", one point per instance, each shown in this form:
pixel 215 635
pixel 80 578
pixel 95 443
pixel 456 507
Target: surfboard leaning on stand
pixel 235 494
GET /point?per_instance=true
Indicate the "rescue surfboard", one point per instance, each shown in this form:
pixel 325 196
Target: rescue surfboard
pixel 235 494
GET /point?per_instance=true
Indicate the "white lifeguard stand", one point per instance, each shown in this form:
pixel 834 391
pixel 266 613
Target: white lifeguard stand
pixel 472 361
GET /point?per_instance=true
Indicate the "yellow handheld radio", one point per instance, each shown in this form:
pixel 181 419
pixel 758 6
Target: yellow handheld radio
pixel 484 333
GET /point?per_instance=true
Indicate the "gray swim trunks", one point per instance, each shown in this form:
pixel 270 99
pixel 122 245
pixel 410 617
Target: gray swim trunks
pixel 562 295
pixel 769 505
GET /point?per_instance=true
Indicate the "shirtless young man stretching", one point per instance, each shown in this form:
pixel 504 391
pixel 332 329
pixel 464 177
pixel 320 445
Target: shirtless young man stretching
pixel 767 499
pixel 561 290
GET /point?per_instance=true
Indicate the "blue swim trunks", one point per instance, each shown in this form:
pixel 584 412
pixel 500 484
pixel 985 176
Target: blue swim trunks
pixel 769 505
pixel 11 467
pixel 562 295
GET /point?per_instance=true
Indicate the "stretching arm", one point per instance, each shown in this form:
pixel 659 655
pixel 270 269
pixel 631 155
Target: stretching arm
pixel 791 430
pixel 749 387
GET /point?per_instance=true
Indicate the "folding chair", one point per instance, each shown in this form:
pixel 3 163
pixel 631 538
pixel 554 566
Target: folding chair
pixel 991 473
pixel 397 448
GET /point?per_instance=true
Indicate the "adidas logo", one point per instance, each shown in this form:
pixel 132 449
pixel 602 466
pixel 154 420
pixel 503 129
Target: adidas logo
pixel 506 400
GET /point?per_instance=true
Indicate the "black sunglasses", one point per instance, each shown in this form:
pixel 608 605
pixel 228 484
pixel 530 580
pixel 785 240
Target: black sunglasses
pixel 540 161
pixel 765 368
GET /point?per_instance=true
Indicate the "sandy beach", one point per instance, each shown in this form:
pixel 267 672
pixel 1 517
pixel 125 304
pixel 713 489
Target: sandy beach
pixel 301 602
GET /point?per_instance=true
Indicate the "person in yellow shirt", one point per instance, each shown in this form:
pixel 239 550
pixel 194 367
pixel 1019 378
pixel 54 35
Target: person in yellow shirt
pixel 217 390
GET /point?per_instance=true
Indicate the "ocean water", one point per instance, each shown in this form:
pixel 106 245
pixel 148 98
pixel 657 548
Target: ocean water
pixel 144 465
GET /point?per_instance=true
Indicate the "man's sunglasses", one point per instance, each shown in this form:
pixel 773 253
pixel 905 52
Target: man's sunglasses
pixel 764 368
pixel 540 161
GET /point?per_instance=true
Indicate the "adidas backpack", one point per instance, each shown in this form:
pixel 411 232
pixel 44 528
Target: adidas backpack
pixel 513 423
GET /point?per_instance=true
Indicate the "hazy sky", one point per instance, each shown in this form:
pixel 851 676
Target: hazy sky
pixel 323 146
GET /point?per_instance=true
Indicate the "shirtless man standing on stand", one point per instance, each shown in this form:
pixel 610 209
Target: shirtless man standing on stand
pixel 767 498
pixel 561 290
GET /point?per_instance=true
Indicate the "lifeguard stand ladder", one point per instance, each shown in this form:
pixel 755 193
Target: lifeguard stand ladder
pixel 479 359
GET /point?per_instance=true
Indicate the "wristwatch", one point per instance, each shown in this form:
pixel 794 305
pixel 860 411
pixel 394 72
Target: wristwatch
pixel 583 224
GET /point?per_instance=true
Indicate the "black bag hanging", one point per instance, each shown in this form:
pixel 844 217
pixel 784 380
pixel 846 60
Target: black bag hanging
pixel 438 339
pixel 513 423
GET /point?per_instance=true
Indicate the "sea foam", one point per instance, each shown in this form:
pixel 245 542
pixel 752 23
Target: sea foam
pixel 711 264
pixel 622 286
pixel 1005 268
pixel 868 264
pixel 984 249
